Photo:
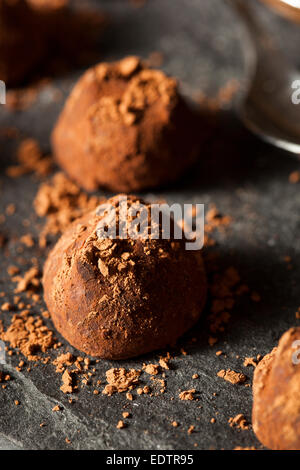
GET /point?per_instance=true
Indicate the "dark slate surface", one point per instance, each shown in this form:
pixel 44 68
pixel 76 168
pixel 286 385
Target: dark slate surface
pixel 245 178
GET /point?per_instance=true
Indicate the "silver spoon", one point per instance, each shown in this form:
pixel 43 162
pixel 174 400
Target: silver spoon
pixel 268 109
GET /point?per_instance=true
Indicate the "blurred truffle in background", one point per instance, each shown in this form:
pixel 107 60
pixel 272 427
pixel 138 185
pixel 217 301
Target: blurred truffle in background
pixel 125 127
pixel 21 43
pixel 41 37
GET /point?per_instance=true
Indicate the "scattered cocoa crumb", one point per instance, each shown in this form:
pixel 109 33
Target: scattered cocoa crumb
pixel 187 394
pixel 239 421
pixel 120 380
pixel 27 240
pixel 62 361
pixel 151 369
pixel 164 363
pixel 61 201
pixel 30 159
pixel 250 361
pixel 191 429
pixel 6 307
pixel 29 334
pixel 67 382
pixel 121 425
pixel 30 279
pixel 232 376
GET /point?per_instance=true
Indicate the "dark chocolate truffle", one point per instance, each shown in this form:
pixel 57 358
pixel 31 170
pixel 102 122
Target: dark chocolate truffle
pixel 276 399
pixel 125 127
pixel 119 298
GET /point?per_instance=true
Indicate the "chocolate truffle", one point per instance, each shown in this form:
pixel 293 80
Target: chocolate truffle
pixel 125 127
pixel 276 399
pixel 122 297
pixel 21 45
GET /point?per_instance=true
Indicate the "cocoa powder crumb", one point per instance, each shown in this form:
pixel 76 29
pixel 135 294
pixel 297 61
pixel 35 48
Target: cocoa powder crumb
pixel 62 361
pixel 163 362
pixel 151 369
pixel 67 380
pixel 120 380
pixel 187 394
pixel 121 425
pixel 30 279
pixel 250 361
pixel 191 429
pixel 61 201
pixel 29 334
pixel 6 307
pixel 239 421
pixel 232 376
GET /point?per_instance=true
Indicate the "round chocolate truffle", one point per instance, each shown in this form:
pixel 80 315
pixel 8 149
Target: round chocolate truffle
pixel 276 399
pixel 125 127
pixel 21 45
pixel 122 297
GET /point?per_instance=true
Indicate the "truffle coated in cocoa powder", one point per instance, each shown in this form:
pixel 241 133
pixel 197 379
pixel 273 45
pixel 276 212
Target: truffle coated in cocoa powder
pixel 276 399
pixel 119 298
pixel 125 127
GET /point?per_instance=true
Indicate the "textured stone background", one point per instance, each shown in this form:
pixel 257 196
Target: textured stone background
pixel 203 44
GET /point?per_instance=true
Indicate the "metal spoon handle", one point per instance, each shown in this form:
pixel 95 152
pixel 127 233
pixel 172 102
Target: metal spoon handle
pixel 288 8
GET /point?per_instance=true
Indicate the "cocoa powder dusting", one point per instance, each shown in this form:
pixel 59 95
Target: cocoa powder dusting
pixel 120 380
pixel 61 201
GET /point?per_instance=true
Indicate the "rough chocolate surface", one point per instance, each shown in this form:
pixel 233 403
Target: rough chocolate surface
pixel 246 179
pixel 120 298
pixel 276 406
